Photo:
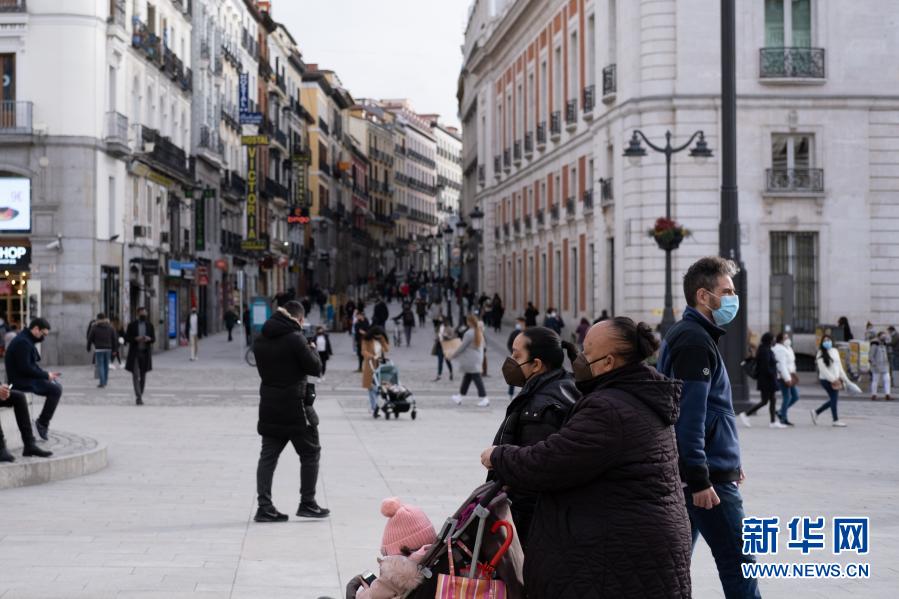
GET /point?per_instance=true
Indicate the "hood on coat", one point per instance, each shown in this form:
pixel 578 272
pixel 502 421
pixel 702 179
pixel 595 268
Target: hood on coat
pixel 645 384
pixel 279 325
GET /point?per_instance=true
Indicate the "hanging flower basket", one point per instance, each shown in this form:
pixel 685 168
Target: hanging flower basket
pixel 668 234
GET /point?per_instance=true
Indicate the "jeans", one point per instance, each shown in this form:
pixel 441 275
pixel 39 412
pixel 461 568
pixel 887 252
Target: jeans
pixel 833 395
pixel 478 382
pixel 102 356
pixel 768 397
pixel 139 376
pixel 309 450
pixel 19 404
pixel 408 331
pixel 722 529
pixel 790 396
pixel 323 358
pixel 373 397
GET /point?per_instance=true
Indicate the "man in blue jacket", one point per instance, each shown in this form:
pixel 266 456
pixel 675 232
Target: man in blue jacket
pixel 24 374
pixel 707 427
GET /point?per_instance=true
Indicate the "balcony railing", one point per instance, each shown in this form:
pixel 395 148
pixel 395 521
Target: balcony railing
pixel 12 6
pixel 165 152
pixel 275 189
pixel 571 112
pixel 15 117
pixel 540 217
pixel 516 225
pixel 527 223
pixel 516 151
pixel 541 133
pixel 589 99
pixel 605 192
pixel 507 159
pixel 570 205
pixel 555 123
pixel 791 63
pixel 148 43
pixel 588 199
pixel 795 180
pixel 506 229
pixel 323 126
pixel 529 143
pixel 609 82
pixel 234 183
pixel 497 165
pixel 116 128
pixel 554 212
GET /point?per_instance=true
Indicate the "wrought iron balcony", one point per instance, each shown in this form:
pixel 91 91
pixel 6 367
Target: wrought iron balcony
pixel 795 180
pixel 571 112
pixel 554 212
pixel 541 133
pixel 234 183
pixel 323 126
pixel 791 63
pixel 15 117
pixel 588 199
pixel 528 223
pixel 506 230
pixel 570 204
pixel 540 217
pixel 529 143
pixel 165 152
pixel 507 159
pixel 555 123
pixel 609 82
pixel 496 165
pixel 516 225
pixel 589 99
pixel 148 43
pixel 516 151
pixel 605 192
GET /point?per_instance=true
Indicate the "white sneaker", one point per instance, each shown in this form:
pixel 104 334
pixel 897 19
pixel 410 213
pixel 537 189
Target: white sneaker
pixel 839 423
pixel 745 419
pixel 777 425
pixel 484 403
pixel 457 399
pixel 814 416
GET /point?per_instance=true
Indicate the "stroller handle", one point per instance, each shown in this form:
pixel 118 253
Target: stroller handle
pixel 492 493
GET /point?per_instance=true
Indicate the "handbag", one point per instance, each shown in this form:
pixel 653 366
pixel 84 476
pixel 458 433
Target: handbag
pixel 450 586
pixel 435 349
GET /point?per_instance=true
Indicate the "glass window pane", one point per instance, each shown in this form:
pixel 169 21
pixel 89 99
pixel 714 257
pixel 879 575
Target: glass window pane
pixel 802 149
pixel 779 151
pixel 802 23
pixel 774 23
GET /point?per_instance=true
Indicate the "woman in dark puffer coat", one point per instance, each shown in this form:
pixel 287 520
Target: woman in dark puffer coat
pixel 610 519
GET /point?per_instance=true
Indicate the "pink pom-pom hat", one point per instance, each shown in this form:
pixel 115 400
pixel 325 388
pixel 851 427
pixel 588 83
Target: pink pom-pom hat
pixel 407 526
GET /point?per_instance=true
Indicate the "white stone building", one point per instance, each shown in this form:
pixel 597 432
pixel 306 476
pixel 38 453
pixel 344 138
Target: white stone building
pixel 552 92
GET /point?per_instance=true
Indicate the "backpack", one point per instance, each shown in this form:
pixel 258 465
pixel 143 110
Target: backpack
pixel 408 318
pixel 750 367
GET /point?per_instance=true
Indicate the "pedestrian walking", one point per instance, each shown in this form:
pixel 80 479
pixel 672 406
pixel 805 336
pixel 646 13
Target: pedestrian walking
pixel 843 323
pixel 284 360
pixel 231 320
pixel 443 333
pixel 788 380
pixel 530 315
pixel 380 314
pixel 581 332
pixel 19 403
pixel 499 311
pixel 831 377
pixel 140 337
pixel 548 393
pixel 880 366
pixel 374 351
pixel 193 333
pixel 469 359
pixel 104 340
pixel 407 318
pixel 553 320
pixel 611 520
pixel 359 328
pixel 706 429
pixel 323 347
pixel 766 383
pixel 435 313
pixel 25 374
pixel 421 309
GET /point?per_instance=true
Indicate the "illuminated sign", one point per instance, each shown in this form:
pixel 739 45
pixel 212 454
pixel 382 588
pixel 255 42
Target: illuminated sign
pixel 15 204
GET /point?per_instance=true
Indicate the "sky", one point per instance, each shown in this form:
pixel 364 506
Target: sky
pixel 384 49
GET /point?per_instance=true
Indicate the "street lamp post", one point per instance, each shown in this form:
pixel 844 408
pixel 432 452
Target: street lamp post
pixel 477 224
pixel 634 153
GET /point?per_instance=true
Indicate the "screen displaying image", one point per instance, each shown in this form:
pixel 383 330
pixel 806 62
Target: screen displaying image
pixel 15 204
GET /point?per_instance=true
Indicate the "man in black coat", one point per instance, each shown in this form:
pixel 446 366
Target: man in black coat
pixel 284 358
pixel 380 315
pixel 24 373
pixel 19 403
pixel 140 337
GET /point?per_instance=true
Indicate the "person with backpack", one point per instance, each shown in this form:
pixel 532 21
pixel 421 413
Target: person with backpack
pixel 832 378
pixel 764 371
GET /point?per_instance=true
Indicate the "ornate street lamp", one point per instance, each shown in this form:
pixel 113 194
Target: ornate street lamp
pixel 634 152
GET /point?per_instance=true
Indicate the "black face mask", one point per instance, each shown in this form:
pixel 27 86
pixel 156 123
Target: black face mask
pixel 512 372
pixel 142 317
pixel 581 367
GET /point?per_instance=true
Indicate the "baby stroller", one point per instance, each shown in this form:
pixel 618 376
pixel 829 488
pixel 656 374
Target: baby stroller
pixel 395 398
pixel 484 545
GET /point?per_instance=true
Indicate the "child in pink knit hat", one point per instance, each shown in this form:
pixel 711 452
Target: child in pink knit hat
pixel 407 537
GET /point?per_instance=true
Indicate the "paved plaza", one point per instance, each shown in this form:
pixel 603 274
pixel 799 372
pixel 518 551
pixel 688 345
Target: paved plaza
pixel 171 516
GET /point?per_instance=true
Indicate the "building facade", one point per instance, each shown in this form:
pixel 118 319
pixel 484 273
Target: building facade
pixel 555 91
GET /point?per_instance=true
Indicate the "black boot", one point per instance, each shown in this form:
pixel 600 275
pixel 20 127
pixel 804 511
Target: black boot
pixel 34 450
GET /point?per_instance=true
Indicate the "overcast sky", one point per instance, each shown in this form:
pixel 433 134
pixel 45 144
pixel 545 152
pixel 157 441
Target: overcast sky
pixel 384 49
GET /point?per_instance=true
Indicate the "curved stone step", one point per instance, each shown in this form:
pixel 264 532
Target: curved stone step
pixel 73 455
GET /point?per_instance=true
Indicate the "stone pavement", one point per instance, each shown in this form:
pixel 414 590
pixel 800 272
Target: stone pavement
pixel 171 516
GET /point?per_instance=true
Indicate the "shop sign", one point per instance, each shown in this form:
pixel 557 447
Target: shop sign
pixel 15 256
pixel 252 242
pixel 15 204
pixel 202 276
pixel 173 314
pixel 221 264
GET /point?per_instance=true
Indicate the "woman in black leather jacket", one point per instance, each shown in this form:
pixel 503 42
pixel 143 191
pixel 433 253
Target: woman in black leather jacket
pixel 547 395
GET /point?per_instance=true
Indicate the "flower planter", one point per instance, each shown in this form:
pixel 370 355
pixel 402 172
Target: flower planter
pixel 669 241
